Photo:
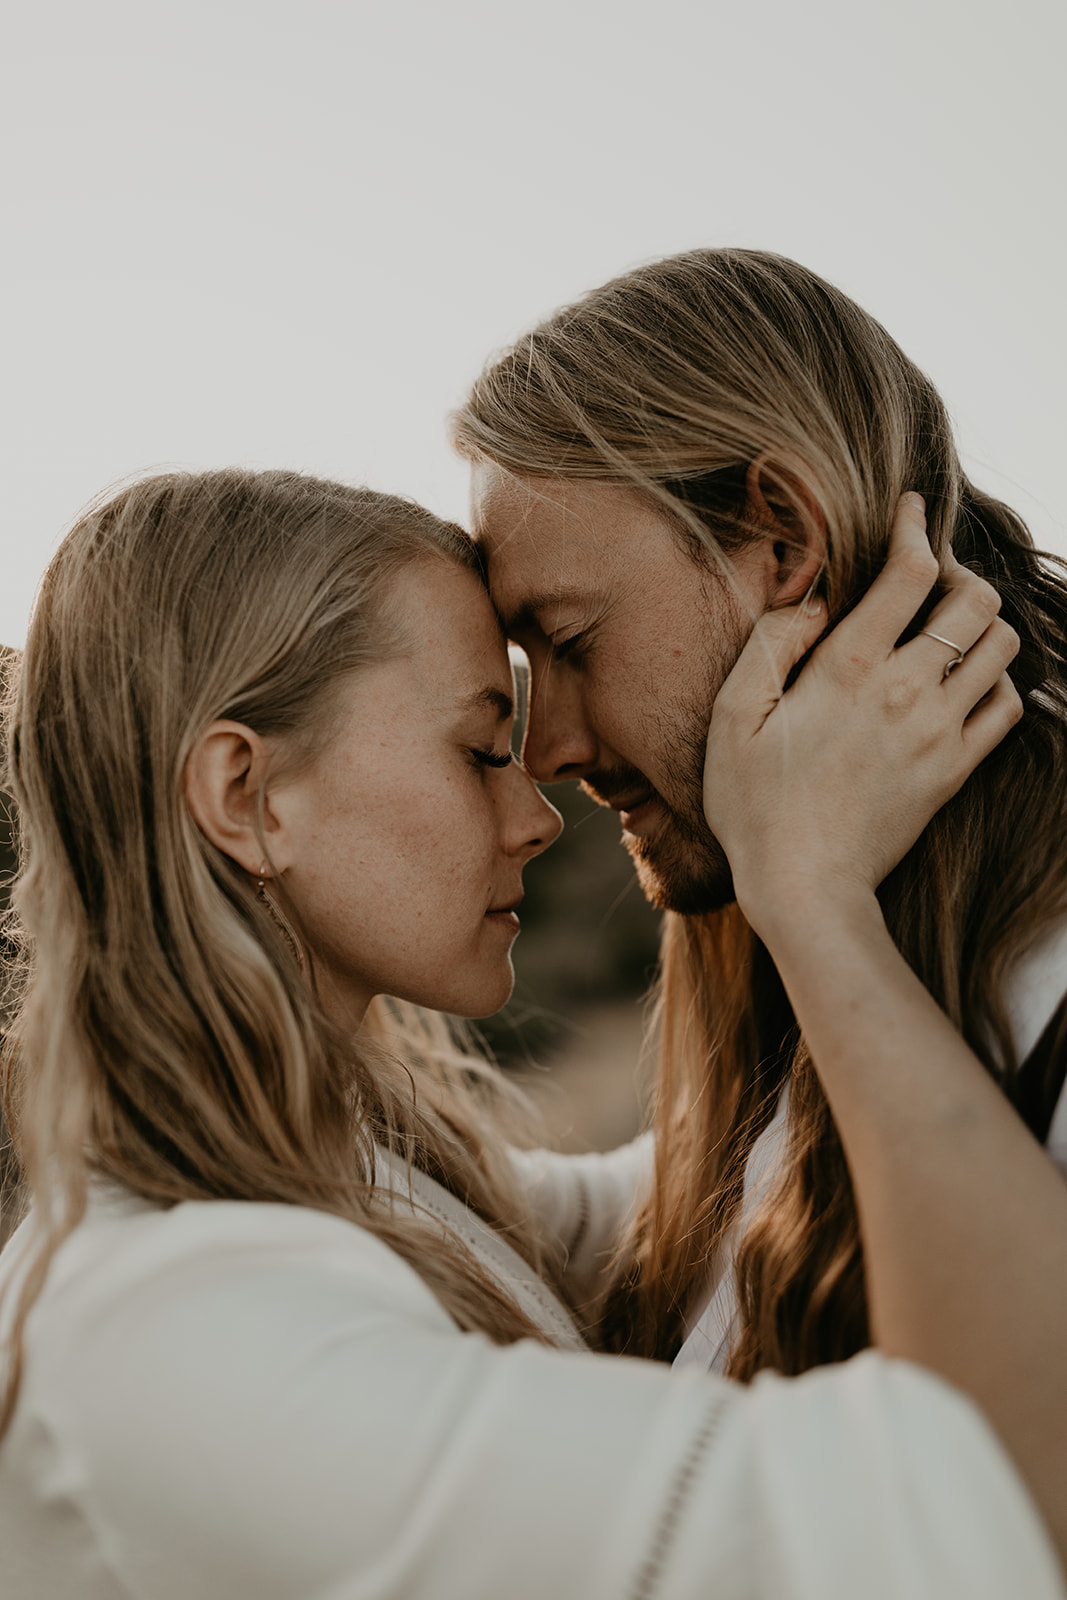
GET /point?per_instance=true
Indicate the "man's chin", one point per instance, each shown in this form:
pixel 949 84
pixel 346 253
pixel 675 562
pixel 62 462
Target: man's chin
pixel 687 875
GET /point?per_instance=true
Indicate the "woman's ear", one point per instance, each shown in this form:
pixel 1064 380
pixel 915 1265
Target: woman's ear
pixel 792 520
pixel 225 777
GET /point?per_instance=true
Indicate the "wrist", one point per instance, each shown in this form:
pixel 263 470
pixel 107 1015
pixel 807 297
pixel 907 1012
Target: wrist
pixel 786 911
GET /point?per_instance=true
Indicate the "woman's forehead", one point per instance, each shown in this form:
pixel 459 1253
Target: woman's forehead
pixel 454 644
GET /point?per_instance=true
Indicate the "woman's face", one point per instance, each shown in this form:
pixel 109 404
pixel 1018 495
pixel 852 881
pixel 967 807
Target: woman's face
pixel 407 835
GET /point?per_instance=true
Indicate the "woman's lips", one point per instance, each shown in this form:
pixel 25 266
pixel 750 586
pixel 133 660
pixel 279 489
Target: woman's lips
pixel 505 916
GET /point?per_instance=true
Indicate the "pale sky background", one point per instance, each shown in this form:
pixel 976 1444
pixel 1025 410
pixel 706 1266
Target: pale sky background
pixel 237 231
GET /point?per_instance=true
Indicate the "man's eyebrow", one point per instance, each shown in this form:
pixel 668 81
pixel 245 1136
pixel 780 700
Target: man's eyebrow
pixel 527 614
pixel 495 699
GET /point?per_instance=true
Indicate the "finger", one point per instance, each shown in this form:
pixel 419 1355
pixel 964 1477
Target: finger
pixel 992 718
pixel 779 640
pixel 954 574
pixel 960 619
pixel 872 628
pixel 982 666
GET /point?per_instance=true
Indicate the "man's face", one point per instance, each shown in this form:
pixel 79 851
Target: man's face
pixel 629 641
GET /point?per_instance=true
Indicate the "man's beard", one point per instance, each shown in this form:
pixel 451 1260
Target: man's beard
pixel 682 867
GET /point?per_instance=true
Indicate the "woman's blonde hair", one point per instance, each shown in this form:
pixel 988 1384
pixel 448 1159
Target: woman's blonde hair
pixel 164 1036
pixel 672 381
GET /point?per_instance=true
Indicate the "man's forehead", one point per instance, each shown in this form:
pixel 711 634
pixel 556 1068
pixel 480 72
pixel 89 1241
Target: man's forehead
pixel 546 542
pixel 504 505
pixel 529 573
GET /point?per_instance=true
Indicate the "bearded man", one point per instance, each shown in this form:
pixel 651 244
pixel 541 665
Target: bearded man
pixel 690 448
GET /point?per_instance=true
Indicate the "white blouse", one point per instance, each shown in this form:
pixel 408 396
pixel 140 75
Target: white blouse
pixel 236 1401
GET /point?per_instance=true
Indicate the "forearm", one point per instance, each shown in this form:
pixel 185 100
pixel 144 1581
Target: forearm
pixel 964 1218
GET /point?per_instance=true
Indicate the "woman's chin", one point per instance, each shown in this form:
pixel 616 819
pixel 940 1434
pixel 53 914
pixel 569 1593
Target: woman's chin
pixel 475 1006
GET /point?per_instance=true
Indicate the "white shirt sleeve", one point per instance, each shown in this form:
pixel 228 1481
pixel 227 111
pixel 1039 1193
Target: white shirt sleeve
pixel 586 1202
pixel 253 1402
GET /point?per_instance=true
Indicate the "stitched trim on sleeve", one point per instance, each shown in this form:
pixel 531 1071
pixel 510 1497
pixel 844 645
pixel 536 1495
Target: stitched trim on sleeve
pixel 650 1576
pixel 581 1227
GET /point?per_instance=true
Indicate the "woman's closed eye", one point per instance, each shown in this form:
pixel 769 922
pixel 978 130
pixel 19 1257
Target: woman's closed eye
pixel 491 758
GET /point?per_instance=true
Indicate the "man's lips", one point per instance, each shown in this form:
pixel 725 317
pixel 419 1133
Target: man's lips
pixel 625 792
pixel 622 791
pixel 633 802
pixel 636 812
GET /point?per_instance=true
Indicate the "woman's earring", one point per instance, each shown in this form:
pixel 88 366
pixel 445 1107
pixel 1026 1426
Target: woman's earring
pixel 280 920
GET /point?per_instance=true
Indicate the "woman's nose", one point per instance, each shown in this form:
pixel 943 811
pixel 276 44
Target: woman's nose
pixel 534 823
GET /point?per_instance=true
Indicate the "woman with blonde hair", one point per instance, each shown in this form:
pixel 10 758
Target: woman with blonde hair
pixel 288 1315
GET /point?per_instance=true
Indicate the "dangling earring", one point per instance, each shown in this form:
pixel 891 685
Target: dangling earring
pixel 280 920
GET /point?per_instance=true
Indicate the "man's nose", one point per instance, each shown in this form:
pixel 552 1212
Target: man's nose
pixel 559 742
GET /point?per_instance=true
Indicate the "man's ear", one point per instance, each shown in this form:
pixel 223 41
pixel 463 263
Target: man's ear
pixel 225 778
pixel 791 519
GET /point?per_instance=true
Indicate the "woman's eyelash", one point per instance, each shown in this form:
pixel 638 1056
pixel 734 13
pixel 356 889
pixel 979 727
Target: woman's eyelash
pixel 489 758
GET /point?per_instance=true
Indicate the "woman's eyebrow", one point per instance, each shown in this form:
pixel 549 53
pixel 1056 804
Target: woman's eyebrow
pixel 496 699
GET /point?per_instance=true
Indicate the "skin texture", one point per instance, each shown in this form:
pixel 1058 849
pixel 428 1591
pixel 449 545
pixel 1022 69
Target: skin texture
pixel 399 847
pixel 629 641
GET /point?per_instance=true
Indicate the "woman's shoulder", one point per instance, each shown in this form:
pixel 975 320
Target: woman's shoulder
pixel 131 1260
pixel 281 1383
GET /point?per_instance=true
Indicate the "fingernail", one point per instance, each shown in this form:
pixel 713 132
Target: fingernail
pixel 915 500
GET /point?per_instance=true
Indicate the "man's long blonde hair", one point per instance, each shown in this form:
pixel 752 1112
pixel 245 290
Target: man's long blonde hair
pixel 164 1037
pixel 672 381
